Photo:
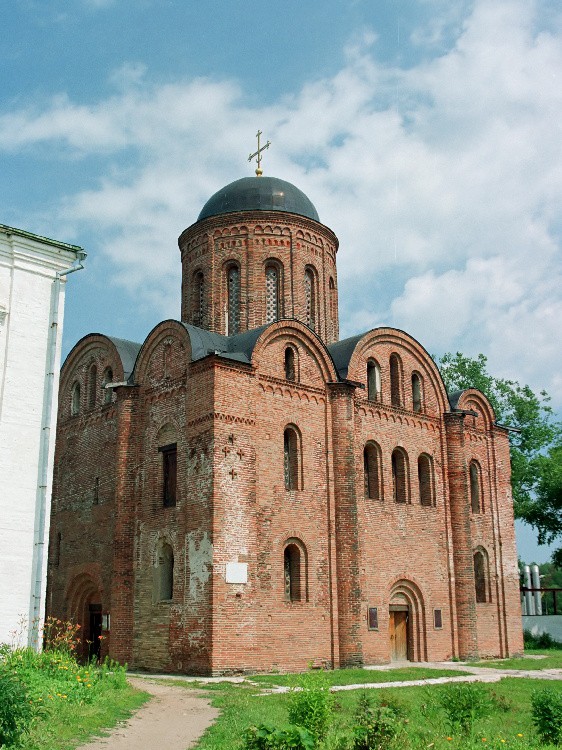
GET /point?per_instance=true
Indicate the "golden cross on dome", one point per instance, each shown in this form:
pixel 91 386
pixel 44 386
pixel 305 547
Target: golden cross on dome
pixel 259 170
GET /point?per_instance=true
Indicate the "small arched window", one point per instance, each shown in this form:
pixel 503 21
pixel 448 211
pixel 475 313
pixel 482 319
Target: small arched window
pixel 475 484
pixel 233 305
pixel 163 583
pixel 372 471
pixel 400 476
pixel 373 380
pixel 294 571
pixel 395 380
pixel 290 368
pixel 92 386
pixel 198 298
pixel 481 576
pixel 292 459
pixel 272 296
pixel 107 378
pixel 416 393
pixel 310 298
pixel 75 398
pixel 425 480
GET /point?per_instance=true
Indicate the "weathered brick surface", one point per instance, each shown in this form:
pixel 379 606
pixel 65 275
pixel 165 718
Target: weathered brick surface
pixel 228 419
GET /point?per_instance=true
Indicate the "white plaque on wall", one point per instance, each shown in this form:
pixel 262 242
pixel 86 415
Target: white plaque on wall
pixel 237 572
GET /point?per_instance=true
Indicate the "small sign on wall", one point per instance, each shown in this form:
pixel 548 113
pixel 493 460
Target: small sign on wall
pixel 373 618
pixel 237 572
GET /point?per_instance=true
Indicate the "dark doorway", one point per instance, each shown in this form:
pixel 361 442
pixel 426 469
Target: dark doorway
pixel 94 633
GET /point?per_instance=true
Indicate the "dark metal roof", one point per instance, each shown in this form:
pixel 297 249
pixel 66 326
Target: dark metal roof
pixel 342 351
pixel 259 194
pixel 238 348
pixel 128 351
pixel 454 398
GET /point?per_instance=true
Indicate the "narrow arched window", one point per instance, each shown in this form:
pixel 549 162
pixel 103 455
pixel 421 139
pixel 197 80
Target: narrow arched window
pixel 294 572
pixel 271 294
pixel 290 369
pixel 107 378
pixel 291 459
pixel 198 298
pixel 395 380
pixel 372 471
pixel 163 588
pixel 425 480
pixel 92 386
pixel 233 306
pixel 481 577
pixel 416 393
pixel 373 380
pixel 400 476
pixel 310 298
pixel 333 306
pixel 475 499
pixel 75 398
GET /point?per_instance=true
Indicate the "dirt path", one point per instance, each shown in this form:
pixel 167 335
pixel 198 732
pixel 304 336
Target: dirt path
pixel 173 719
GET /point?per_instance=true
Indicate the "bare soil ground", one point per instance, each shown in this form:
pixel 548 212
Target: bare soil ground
pixel 173 719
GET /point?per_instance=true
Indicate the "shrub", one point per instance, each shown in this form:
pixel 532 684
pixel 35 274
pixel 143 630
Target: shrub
pixel 376 725
pixel 16 710
pixel 546 712
pixel 464 704
pixel 541 640
pixel 310 704
pixel 265 737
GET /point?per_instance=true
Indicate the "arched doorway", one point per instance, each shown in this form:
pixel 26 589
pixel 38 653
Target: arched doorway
pixel 85 609
pixel 406 623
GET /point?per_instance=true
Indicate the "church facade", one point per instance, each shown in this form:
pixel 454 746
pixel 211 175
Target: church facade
pixel 246 492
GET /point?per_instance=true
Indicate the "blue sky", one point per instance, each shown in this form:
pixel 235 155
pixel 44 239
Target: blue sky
pixel 427 134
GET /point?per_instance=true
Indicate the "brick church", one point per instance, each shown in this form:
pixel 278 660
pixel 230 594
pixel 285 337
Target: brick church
pixel 244 491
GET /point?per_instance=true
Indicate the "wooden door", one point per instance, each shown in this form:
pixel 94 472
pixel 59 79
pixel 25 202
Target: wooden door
pixel 398 632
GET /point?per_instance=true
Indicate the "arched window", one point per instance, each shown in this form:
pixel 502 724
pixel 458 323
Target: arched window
pixel 163 581
pixel 272 293
pixel 395 380
pixel 290 369
pixel 198 298
pixel 233 306
pixel 372 471
pixel 291 459
pixel 425 479
pixel 92 386
pixel 294 571
pixel 107 378
pixel 481 576
pixel 373 380
pixel 475 484
pixel 333 306
pixel 310 298
pixel 400 476
pixel 75 398
pixel 416 393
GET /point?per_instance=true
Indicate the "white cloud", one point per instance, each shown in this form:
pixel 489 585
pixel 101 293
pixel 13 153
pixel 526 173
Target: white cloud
pixel 443 181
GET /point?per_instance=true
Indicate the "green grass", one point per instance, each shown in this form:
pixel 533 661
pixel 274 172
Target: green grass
pixel 361 676
pixel 552 660
pixel 425 724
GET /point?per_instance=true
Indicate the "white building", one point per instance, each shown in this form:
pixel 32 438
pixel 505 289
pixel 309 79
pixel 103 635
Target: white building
pixel 32 279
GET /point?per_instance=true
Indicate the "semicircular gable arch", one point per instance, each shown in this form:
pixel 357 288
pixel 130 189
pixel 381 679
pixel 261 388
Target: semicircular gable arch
pixel 473 399
pixel 83 351
pixel 167 329
pixel 297 333
pixel 366 347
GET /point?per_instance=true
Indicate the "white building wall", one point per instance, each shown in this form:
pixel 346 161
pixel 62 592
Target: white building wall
pixel 28 300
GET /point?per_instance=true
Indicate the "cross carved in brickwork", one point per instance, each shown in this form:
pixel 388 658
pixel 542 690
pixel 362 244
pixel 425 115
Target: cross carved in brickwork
pixel 226 450
pixel 233 473
pixel 240 453
pixel 231 438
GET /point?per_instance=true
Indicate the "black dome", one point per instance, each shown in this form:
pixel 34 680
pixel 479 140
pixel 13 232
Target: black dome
pixel 259 194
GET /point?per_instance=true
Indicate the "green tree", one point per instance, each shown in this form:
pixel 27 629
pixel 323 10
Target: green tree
pixel 536 446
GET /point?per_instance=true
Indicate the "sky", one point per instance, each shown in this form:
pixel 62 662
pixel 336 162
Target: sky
pixel 426 132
